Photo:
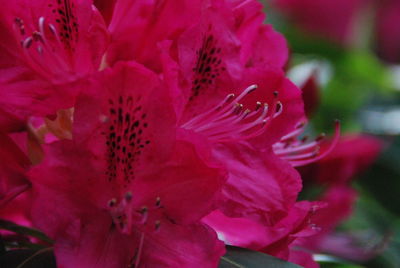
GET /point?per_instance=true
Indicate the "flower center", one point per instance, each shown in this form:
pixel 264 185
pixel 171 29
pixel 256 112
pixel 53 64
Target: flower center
pixel 229 120
pixel 48 49
pixel 128 218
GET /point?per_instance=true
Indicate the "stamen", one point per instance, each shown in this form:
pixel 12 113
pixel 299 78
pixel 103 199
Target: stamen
pixel 157 225
pixel 231 121
pixel 298 153
pixel 112 202
pixel 258 106
pixel 158 202
pixel 145 214
pixel 295 133
pixel 41 25
pixel 139 252
pixel 20 24
pixel 47 56
pixel 37 37
pixel 27 42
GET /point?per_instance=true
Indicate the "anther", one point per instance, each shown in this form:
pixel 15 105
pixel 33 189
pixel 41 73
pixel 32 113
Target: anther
pixel 112 202
pixel 20 24
pixel 37 36
pixel 238 108
pixel 230 97
pixel 158 202
pixel 157 225
pixel 258 106
pixel 144 210
pixel 18 21
pixel 301 125
pixel 279 107
pixel 251 89
pixel 128 196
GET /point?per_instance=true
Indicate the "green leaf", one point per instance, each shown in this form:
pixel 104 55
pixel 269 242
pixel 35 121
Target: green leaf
pixel 327 261
pixel 236 257
pixel 10 226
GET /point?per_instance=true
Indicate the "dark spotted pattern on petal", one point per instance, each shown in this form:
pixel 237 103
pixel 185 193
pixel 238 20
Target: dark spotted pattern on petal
pixel 209 65
pixel 67 22
pixel 124 137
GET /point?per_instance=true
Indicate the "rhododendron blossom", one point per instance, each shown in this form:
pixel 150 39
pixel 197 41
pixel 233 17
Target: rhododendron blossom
pixel 237 106
pixel 126 192
pixel 244 108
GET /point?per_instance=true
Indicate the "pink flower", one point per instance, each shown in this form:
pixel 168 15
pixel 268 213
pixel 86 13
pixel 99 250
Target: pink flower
pixel 241 112
pixel 235 104
pixel 46 47
pixel 339 206
pixel 352 155
pixel 274 239
pixel 334 20
pixel 124 191
pixel 387 34
pixel 341 21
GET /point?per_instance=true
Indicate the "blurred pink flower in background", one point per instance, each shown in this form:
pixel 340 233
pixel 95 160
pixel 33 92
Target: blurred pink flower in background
pixel 343 21
pixel 334 20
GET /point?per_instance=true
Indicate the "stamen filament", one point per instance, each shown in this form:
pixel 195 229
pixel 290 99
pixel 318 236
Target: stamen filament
pixel 231 121
pixel 307 158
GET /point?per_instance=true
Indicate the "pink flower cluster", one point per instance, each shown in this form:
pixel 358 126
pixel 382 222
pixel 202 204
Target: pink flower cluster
pixel 149 133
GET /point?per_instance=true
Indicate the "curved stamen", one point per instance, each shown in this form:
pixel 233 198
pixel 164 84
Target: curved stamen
pixel 139 252
pixel 220 110
pixel 296 149
pixel 295 133
pixel 229 120
pixel 299 154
